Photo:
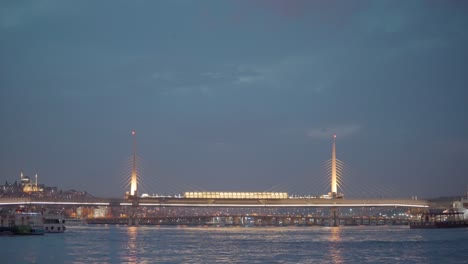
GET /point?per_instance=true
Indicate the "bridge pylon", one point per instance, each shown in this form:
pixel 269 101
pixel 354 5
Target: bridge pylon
pixel 334 175
pixel 134 180
pixel 133 195
pixel 334 212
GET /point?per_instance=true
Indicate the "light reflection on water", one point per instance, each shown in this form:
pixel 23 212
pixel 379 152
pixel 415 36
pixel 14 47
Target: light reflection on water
pixel 144 244
pixel 335 239
pixel 132 245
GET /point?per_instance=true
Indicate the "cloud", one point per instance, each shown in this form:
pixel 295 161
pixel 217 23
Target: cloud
pixel 301 71
pixel 325 132
pixel 186 80
pixel 298 71
pixel 213 75
pixel 329 11
pixel 18 13
pixel 247 79
pixel 163 76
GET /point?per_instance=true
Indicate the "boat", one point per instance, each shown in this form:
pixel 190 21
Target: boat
pixel 21 222
pixel 5 231
pixel 28 223
pixel 54 223
pixel 75 221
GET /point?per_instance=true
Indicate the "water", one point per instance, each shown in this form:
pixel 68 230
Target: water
pixel 122 244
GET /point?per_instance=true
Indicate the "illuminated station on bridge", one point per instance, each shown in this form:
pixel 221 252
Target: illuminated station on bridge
pixel 236 195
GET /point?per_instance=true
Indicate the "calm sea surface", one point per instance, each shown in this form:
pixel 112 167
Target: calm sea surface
pixel 122 244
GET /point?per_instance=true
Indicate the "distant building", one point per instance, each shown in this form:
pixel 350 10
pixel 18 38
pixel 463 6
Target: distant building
pixel 100 211
pixel 28 186
pixel 10 189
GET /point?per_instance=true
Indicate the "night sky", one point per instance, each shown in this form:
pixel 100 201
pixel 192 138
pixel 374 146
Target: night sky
pixel 236 95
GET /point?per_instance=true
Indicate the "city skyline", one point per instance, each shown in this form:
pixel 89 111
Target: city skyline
pixel 236 95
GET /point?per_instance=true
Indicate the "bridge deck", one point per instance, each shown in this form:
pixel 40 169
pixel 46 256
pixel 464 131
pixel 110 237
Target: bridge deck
pixel 183 202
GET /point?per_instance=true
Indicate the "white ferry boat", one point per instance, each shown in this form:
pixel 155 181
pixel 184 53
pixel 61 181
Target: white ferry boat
pixel 22 222
pixel 54 223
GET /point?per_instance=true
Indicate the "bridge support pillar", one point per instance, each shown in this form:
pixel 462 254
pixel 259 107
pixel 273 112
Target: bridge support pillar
pixel 333 217
pixel 237 221
pixel 133 216
pixel 133 221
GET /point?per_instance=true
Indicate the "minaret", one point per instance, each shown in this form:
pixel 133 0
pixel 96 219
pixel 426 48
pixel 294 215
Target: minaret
pixel 36 180
pixel 333 169
pixel 21 175
pixel 133 185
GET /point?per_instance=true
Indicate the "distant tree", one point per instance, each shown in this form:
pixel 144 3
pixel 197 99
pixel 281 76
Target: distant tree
pixel 6 183
pixel 16 183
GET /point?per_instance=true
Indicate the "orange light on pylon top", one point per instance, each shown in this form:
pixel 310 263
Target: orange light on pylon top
pixel 133 133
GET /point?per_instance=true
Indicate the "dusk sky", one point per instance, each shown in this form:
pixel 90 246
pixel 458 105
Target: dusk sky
pixel 236 95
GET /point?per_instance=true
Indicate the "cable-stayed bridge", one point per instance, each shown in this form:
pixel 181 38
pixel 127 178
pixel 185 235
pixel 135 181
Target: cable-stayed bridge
pixel 187 202
pixel 333 199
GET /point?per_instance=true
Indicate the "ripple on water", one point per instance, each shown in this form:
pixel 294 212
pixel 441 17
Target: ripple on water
pixel 122 244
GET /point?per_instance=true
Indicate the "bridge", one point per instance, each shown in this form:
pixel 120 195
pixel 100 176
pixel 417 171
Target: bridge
pixel 215 219
pixel 252 203
pixel 333 200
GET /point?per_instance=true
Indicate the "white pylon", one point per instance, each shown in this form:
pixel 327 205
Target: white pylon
pixel 333 169
pixel 133 185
